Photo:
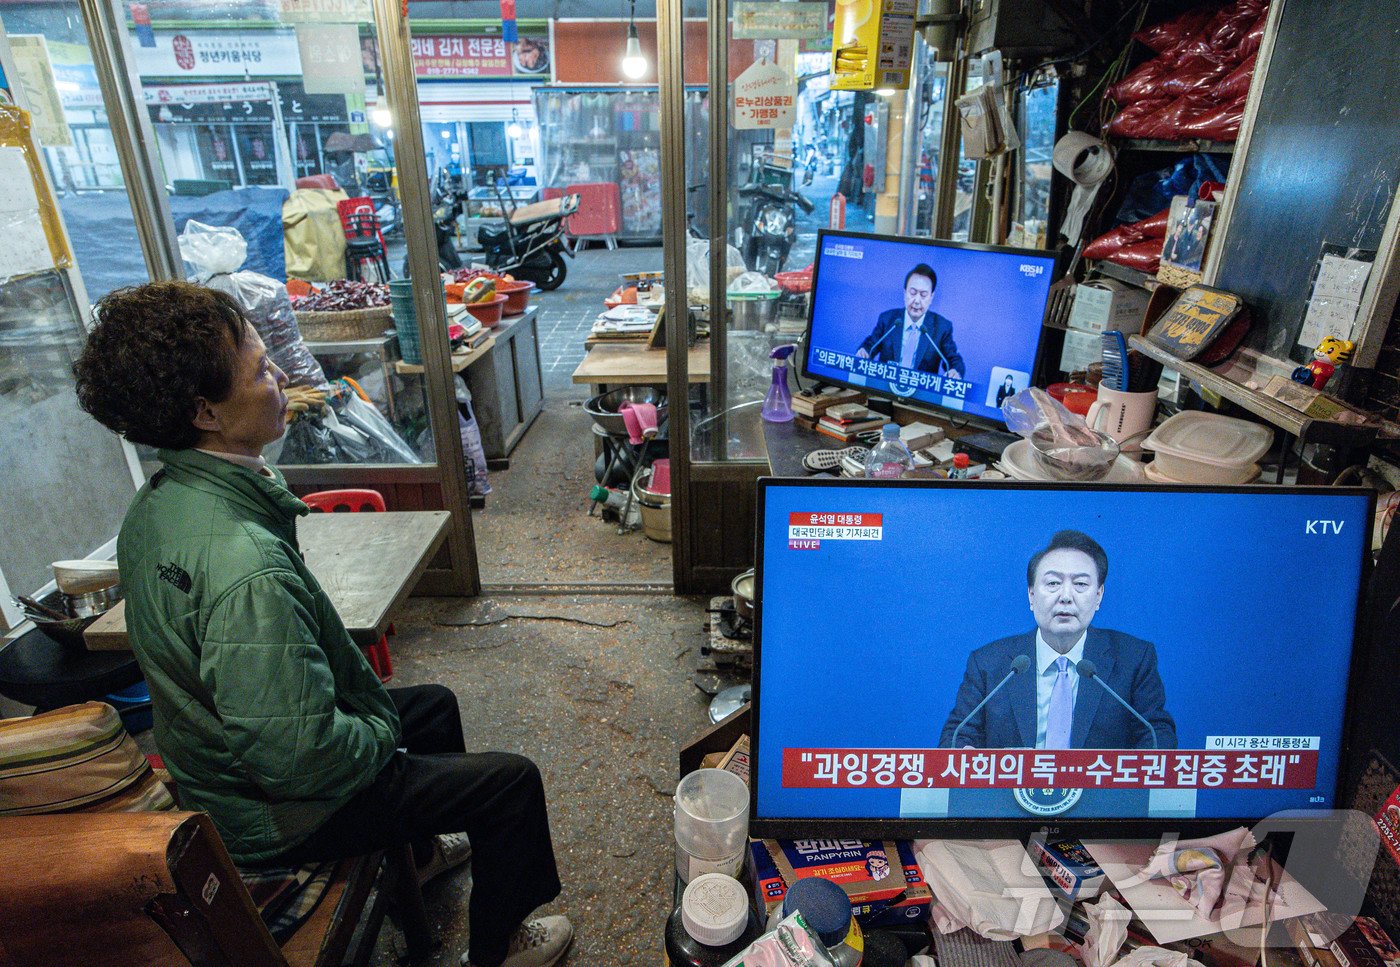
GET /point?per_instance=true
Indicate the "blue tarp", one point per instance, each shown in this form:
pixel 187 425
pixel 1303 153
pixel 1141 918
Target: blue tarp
pixel 109 254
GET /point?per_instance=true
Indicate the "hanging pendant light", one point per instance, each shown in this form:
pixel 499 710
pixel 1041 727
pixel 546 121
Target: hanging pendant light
pixel 513 130
pixel 634 63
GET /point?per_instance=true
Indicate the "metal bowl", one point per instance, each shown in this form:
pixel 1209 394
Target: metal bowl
pixel 1090 462
pixel 69 632
pixel 604 409
pixel 743 588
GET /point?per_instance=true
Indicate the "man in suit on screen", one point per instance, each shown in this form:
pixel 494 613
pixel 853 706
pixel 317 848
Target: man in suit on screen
pixel 914 337
pixel 1049 705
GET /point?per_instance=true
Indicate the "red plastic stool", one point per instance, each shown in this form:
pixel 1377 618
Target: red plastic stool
pixel 352 502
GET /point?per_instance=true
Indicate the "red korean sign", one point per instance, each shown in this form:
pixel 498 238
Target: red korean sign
pixel 1047 769
pixel 461 57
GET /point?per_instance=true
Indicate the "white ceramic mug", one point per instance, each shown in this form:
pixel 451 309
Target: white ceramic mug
pixel 1122 415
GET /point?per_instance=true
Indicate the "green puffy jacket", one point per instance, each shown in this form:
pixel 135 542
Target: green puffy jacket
pixel 266 713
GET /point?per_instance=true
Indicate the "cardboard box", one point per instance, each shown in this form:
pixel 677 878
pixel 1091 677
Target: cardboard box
pixel 736 760
pixel 1105 304
pixel 879 896
pixel 872 44
pixel 1069 868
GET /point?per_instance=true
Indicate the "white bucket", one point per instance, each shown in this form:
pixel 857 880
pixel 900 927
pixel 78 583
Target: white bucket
pixel 712 823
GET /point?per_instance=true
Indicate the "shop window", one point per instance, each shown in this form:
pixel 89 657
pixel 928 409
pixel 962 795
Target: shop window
pixel 1036 106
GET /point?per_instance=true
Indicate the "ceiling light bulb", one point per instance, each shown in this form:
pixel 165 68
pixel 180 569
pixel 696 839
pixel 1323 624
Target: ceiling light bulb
pixel 514 131
pixel 634 65
pixel 885 92
pixel 382 117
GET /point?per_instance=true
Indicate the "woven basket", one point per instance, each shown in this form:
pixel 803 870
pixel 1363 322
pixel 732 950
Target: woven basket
pixel 349 324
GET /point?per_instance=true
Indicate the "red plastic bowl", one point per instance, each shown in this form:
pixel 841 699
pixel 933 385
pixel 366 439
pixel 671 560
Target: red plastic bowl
pixel 488 312
pixel 1077 397
pixel 517 296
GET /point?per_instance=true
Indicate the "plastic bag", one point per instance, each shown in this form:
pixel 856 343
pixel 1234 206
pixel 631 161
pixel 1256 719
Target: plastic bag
pixel 1062 442
pixel 1220 123
pixel 1235 84
pixel 752 282
pixel 697 267
pixel 790 944
pixel 473 452
pixel 1195 76
pixel 1131 121
pixel 213 250
pixel 1252 39
pixel 1141 82
pixel 1167 123
pixel 1173 33
pixel 1154 190
pixel 1145 256
pixel 216 255
pixel 1109 242
pixel 383 445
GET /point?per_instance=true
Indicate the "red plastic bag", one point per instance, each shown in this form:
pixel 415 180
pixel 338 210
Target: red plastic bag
pixel 1144 256
pixel 1235 85
pixel 1249 44
pixel 1216 123
pixel 1166 124
pixel 1142 81
pixel 1233 27
pixel 1195 76
pixel 1131 121
pixel 1166 36
pixel 1156 225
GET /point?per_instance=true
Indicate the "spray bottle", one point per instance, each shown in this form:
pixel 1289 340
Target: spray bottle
pixel 777 406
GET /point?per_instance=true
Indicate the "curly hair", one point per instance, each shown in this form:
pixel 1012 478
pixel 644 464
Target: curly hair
pixel 155 351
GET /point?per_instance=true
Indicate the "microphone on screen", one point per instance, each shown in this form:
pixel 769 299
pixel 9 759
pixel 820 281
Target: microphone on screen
pixel 1086 670
pixel 1018 664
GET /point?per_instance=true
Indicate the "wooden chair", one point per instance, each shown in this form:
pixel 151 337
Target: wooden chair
pixel 158 888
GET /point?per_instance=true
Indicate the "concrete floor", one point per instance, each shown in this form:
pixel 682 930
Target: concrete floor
pixel 597 690
pixel 535 528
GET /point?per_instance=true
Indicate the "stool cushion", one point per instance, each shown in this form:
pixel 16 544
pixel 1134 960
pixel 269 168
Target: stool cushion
pixel 75 759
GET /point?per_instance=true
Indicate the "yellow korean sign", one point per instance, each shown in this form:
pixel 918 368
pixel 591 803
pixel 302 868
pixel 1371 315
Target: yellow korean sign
pixel 872 44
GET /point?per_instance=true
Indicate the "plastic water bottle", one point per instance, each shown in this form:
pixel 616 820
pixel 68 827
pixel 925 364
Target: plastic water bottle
pixel 890 457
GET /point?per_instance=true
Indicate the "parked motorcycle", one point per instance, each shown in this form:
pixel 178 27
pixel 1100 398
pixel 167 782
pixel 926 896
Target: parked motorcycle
pixel 447 208
pixel 770 227
pixel 530 245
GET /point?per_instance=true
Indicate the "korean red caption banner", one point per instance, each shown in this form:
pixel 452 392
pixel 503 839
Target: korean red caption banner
pixel 1051 769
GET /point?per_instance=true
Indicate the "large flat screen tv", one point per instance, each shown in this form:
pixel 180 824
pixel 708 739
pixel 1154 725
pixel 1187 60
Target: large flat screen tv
pixel 909 681
pixel 941 324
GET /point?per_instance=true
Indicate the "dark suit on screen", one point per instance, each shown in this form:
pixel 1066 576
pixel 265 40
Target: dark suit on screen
pixel 886 342
pixel 1008 721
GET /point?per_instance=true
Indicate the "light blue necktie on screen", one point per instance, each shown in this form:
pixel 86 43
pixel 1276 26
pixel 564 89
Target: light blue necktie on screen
pixel 1060 718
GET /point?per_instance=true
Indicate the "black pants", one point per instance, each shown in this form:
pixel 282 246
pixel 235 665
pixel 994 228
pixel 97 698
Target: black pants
pixel 496 798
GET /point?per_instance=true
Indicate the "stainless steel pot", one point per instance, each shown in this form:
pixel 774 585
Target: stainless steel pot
pixel 743 588
pixel 604 409
pixel 753 312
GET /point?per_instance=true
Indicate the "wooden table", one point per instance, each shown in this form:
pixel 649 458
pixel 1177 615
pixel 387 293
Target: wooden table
pixel 367 563
pixel 635 365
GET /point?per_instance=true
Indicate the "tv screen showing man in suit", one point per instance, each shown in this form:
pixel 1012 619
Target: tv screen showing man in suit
pixel 1015 650
pixel 940 323
pixel 914 336
pixel 1050 705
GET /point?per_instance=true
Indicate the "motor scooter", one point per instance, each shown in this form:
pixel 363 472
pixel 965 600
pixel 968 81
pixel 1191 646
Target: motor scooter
pixel 530 245
pixel 770 226
pixel 447 208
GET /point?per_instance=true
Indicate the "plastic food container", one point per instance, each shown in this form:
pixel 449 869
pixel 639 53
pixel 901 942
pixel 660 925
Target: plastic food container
pixel 488 313
pixel 1076 397
pixel 712 823
pixel 517 296
pixel 1207 448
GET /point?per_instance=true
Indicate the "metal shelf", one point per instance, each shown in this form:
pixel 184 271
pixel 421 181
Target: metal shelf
pixel 1179 147
pixel 1124 274
pixel 1228 380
